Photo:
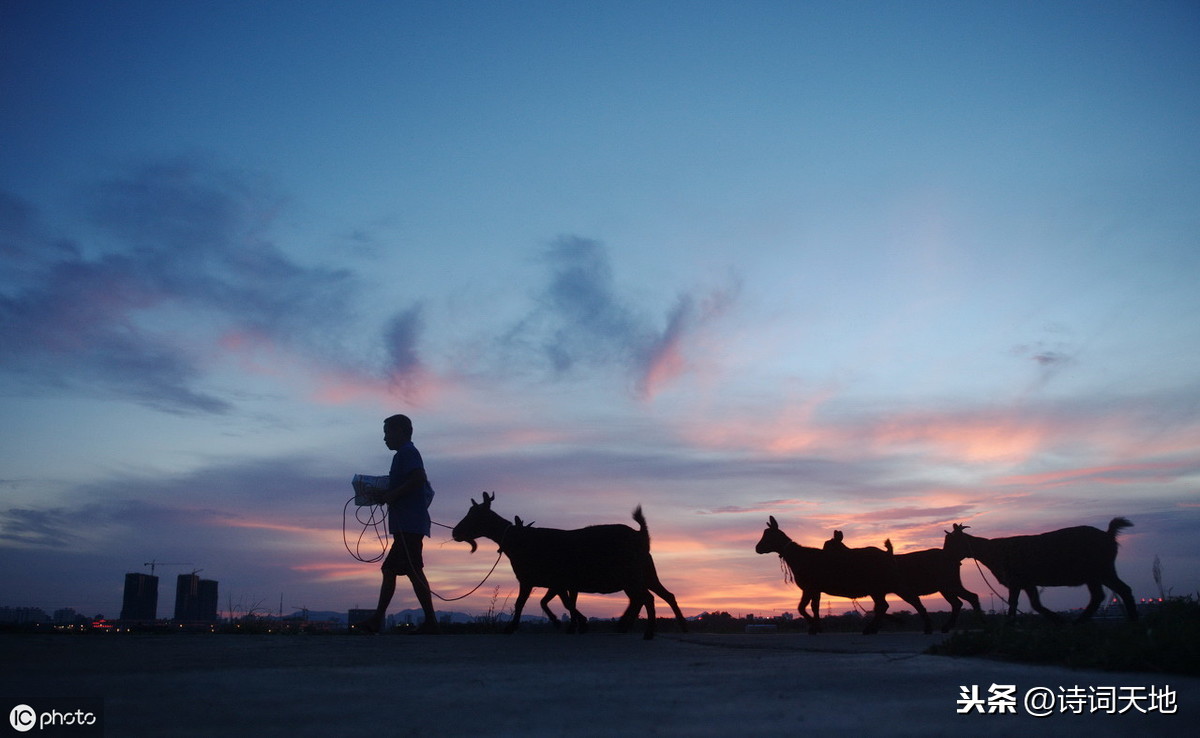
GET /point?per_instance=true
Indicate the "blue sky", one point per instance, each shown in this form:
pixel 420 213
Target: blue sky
pixel 882 267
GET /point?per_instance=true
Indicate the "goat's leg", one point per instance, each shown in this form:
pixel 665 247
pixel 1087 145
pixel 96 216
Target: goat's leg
pixel 972 598
pixel 546 600
pixel 881 608
pixel 915 601
pixel 815 606
pixel 658 589
pixel 568 601
pixel 1014 594
pixel 955 608
pixel 1036 601
pixel 637 600
pixel 1097 596
pixel 651 619
pixel 522 595
pixel 1123 591
pixel 811 600
pixel 629 617
pixel 804 613
pixel 578 621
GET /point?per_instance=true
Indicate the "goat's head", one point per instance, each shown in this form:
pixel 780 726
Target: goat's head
pixel 957 542
pixel 475 524
pixel 835 543
pixel 773 540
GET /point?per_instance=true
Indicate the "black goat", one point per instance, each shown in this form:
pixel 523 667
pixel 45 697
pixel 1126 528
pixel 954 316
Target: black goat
pixel 577 623
pixel 849 572
pixel 923 573
pixel 1070 557
pixel 598 558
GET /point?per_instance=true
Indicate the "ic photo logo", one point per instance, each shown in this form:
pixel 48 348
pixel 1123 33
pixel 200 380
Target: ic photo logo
pixel 22 718
pixel 59 718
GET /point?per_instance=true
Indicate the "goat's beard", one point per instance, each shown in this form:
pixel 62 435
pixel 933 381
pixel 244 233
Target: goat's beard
pixel 473 545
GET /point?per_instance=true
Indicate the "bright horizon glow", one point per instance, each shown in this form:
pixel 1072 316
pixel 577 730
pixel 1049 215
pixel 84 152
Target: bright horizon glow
pixel 880 268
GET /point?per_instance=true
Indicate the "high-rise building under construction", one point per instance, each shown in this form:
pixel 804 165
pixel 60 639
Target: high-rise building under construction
pixel 195 599
pixel 141 597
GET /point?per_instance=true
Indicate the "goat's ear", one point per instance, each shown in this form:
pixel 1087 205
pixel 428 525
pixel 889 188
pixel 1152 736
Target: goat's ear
pixel 487 499
pixel 771 522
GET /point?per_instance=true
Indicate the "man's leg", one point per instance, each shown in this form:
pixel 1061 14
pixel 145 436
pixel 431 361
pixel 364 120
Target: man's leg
pixel 387 588
pixel 420 587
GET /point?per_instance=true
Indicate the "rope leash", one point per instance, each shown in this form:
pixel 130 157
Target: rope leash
pixel 499 555
pixel 376 518
pixel 971 553
pixel 371 522
pixel 989 584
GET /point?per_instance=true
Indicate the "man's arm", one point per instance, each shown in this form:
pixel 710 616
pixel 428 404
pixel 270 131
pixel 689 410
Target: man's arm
pixel 412 483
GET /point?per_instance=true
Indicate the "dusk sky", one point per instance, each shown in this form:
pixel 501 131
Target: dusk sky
pixel 876 267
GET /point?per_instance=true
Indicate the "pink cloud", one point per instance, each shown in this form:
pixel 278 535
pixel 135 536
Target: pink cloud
pixel 814 426
pixel 981 438
pixel 258 354
pixel 667 365
pixel 254 352
pixel 1132 473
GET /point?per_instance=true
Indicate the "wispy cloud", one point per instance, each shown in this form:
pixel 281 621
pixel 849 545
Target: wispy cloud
pixel 581 319
pixel 177 237
pixel 183 237
pixel 1130 473
pixel 70 322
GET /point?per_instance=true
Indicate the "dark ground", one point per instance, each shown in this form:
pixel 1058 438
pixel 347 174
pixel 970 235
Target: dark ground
pixel 547 684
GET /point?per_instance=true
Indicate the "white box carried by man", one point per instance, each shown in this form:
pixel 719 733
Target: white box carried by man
pixel 368 490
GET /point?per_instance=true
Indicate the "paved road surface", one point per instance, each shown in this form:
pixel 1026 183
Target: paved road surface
pixel 599 684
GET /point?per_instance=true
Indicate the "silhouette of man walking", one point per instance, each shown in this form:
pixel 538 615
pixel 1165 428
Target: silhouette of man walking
pixel 408 497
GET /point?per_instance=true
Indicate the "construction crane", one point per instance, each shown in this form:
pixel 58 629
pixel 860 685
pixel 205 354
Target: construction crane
pixel 155 562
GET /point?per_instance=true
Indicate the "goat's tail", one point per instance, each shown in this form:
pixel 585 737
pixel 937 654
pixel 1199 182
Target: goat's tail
pixel 888 545
pixel 1117 524
pixel 640 519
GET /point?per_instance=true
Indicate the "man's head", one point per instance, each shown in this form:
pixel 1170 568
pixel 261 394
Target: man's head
pixel 397 431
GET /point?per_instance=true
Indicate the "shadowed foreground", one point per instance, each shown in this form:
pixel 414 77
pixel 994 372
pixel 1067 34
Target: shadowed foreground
pixel 545 684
